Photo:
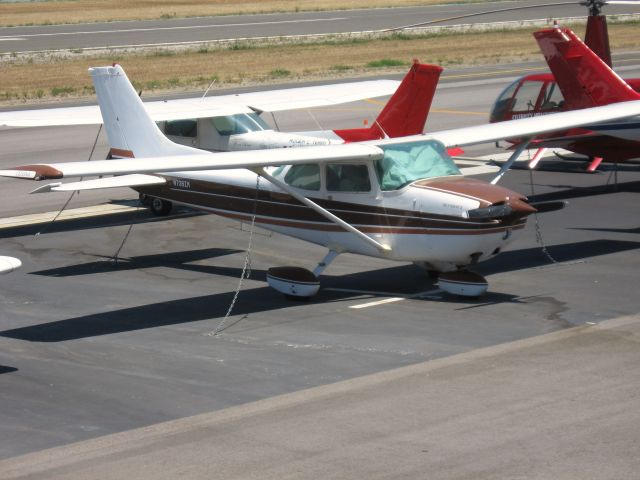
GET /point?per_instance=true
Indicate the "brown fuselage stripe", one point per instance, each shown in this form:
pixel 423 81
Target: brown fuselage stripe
pixel 280 209
pixel 330 227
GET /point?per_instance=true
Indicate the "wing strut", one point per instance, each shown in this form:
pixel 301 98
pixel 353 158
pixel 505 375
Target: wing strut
pixel 514 156
pixel 322 211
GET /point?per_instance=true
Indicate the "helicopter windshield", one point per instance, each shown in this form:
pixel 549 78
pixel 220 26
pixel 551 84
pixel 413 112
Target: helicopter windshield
pixel 405 163
pixel 504 103
pixel 527 97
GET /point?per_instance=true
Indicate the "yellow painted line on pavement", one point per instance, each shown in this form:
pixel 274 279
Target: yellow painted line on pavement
pixel 458 112
pixel 433 110
pixel 493 74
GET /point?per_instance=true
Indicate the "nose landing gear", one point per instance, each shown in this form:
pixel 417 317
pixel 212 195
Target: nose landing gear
pixel 463 283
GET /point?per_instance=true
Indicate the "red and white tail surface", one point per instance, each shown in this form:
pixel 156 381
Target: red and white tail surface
pixel 406 111
pixel 583 77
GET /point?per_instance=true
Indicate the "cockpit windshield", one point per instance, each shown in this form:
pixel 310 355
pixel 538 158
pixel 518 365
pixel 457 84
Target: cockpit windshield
pixel 405 163
pixel 504 103
pixel 239 123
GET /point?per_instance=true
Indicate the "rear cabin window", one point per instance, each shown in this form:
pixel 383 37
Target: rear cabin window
pixel 405 163
pixel 306 177
pixel 348 178
pixel 182 128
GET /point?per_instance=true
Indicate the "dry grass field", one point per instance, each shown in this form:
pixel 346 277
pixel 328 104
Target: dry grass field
pixel 238 64
pixel 80 11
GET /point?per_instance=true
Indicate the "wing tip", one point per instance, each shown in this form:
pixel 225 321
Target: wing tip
pixel 33 172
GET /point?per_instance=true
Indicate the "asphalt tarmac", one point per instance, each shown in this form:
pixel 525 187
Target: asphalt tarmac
pixel 91 347
pixel 202 29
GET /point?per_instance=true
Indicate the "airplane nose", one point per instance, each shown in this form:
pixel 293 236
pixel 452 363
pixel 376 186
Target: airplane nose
pixel 9 264
pixel 519 205
pixel 509 208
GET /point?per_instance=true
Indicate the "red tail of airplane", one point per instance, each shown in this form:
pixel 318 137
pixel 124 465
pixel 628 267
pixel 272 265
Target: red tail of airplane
pixel 583 77
pixel 406 111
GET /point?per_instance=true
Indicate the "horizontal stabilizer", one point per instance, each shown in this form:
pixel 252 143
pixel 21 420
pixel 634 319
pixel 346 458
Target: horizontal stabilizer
pixel 9 264
pixel 133 180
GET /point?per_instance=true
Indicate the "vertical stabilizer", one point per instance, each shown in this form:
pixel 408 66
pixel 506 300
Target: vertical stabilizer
pixel 130 129
pixel 583 77
pixel 406 111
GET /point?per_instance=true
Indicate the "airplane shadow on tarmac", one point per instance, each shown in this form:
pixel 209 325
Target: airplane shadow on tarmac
pixel 403 279
pixel 569 191
pixel 6 369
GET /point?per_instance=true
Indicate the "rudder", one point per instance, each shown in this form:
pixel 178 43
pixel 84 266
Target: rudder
pixel 584 78
pixel 406 111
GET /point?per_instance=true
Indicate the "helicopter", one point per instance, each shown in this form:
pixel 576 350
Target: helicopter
pixel 539 94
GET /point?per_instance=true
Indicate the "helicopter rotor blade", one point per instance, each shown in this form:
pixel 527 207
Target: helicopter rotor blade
pixel 476 14
pixel 593 5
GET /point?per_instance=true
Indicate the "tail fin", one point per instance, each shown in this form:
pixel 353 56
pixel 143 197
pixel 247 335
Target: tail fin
pixel 130 129
pixel 406 111
pixel 584 78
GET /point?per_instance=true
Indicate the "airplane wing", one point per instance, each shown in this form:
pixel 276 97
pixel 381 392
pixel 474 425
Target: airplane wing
pixel 205 161
pixel 180 109
pixel 533 126
pixel 372 150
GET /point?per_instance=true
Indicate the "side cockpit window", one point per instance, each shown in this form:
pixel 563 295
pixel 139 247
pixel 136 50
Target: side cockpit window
pixel 553 99
pixel 527 96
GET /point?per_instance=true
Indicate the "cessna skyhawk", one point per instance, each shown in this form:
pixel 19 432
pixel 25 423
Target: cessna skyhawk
pixel 402 199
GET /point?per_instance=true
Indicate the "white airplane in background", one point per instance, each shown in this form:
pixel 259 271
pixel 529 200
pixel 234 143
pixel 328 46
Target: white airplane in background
pixel 232 122
pixel 9 264
pixel 401 199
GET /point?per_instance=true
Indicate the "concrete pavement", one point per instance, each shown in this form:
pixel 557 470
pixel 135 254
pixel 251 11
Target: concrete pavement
pixel 562 405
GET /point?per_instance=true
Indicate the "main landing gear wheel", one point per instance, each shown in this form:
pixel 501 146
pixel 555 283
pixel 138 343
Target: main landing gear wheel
pixel 298 282
pixel 293 282
pixel 160 207
pixel 463 283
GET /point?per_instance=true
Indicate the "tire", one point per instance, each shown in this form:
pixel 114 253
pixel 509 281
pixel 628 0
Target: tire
pixel 160 207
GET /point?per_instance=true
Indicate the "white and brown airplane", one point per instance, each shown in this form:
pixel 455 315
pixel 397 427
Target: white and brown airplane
pixel 402 199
